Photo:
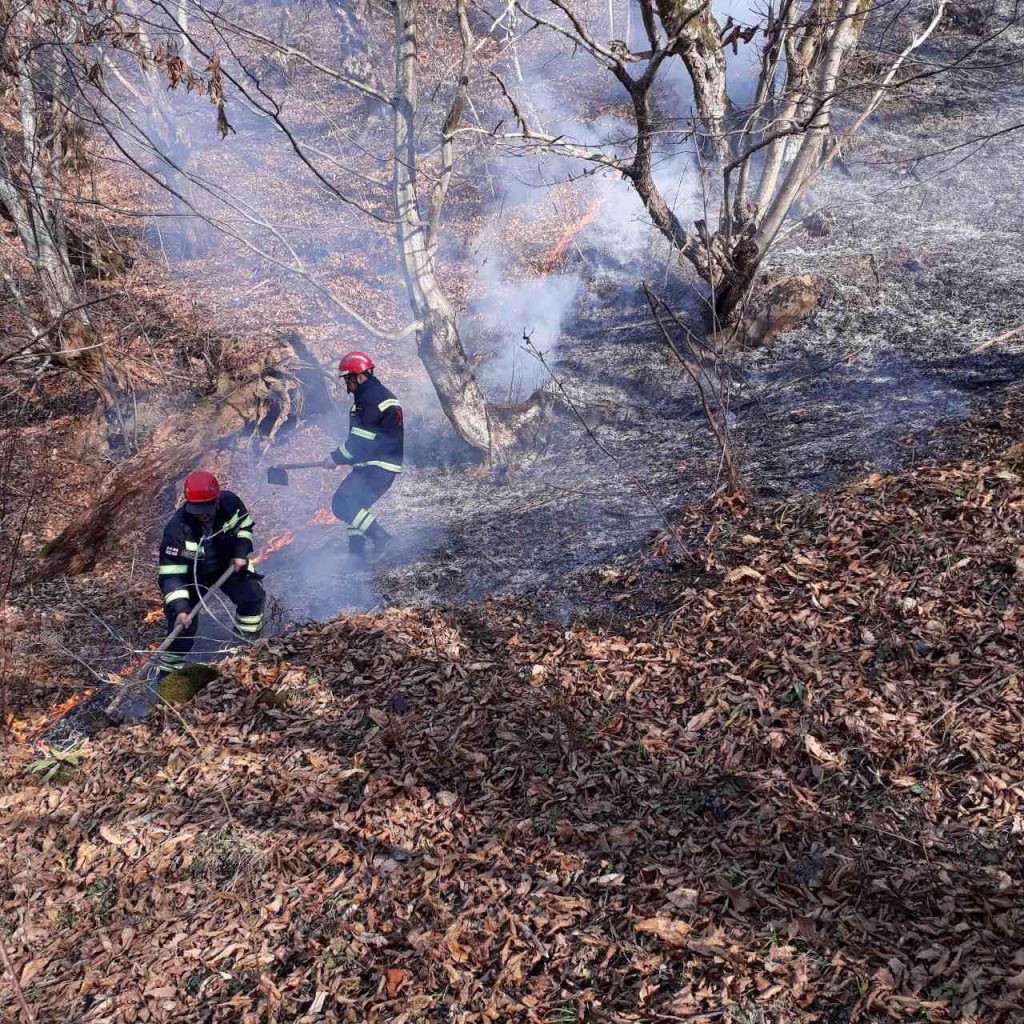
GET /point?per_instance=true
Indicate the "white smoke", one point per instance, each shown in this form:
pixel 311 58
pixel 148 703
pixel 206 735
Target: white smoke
pixel 508 308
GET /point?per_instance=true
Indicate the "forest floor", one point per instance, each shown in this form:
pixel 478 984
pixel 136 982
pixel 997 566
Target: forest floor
pixel 575 771
pixel 796 794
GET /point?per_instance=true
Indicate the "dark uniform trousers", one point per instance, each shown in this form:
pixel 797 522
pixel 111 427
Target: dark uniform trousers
pixel 354 497
pixel 374 449
pixel 243 589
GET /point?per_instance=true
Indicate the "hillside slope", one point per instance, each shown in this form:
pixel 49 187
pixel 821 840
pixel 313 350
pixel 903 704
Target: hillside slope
pixel 794 796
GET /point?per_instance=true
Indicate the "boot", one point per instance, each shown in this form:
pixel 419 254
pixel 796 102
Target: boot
pixel 357 547
pixel 380 537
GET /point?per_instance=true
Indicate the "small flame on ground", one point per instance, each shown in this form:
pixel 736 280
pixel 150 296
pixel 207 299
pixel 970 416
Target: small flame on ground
pixel 17 728
pixel 273 545
pixel 72 702
pixel 565 239
pixel 138 662
pixel 155 615
pixel 22 731
pixel 324 517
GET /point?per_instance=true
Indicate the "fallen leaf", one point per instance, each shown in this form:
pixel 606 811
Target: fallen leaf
pixel 818 750
pixel 742 572
pixel 31 969
pixel 112 836
pixel 395 977
pixel 671 932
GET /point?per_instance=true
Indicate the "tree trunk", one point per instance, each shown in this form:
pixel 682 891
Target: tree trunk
pixel 836 47
pixel 698 41
pixel 32 193
pixel 438 340
pixel 834 38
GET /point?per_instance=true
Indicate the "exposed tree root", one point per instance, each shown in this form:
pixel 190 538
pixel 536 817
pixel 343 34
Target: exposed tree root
pixel 259 393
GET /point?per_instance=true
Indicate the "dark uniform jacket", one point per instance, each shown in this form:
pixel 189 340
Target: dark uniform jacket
pixel 185 555
pixel 376 431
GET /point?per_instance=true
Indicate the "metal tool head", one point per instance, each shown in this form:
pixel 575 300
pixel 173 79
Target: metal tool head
pixel 277 476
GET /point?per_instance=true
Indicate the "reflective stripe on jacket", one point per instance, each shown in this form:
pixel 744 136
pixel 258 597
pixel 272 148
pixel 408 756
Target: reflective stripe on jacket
pixel 185 553
pixel 376 430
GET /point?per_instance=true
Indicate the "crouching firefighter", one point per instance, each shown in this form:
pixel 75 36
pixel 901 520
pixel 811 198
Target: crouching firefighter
pixel 211 531
pixel 373 448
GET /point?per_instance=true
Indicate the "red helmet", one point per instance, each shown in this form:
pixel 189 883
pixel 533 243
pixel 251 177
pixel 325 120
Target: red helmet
pixel 354 362
pixel 201 487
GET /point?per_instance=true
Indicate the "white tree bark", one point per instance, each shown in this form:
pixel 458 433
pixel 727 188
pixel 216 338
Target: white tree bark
pixel 440 347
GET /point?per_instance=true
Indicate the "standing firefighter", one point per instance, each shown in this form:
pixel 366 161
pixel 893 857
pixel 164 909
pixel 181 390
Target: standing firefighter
pixel 211 531
pixel 373 448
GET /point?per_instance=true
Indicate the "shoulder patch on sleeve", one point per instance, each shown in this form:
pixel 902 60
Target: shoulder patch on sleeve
pixel 172 551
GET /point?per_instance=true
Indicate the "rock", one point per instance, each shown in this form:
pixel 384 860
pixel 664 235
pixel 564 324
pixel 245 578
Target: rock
pixel 820 224
pixel 780 306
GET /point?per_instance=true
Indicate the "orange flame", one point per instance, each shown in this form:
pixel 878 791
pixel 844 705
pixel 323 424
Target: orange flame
pixel 72 702
pixel 22 731
pixel 325 517
pixel 139 662
pixel 17 727
pixel 275 545
pixel 565 239
pixel 155 615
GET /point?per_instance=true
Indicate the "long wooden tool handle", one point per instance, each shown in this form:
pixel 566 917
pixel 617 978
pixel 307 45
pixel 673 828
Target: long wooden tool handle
pixel 174 633
pixel 299 465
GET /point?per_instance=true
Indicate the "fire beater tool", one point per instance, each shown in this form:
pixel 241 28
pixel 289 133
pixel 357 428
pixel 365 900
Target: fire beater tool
pixel 131 705
pixel 278 475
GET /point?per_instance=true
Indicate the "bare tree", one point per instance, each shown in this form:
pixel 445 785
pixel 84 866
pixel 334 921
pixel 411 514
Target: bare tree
pixel 485 426
pixel 757 160
pixel 32 180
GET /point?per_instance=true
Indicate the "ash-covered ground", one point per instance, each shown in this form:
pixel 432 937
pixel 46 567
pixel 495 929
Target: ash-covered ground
pixel 923 266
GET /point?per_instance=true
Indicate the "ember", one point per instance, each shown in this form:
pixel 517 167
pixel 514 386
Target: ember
pixel 155 615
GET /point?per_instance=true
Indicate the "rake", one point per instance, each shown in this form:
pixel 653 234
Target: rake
pixel 128 703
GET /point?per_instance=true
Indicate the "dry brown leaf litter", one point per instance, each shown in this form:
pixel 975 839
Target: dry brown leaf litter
pixel 795 797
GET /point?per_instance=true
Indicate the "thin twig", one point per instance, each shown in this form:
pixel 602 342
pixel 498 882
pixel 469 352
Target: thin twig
pixel 1001 681
pixel 639 484
pixel 996 340
pixel 716 421
pixel 15 984
pixel 56 325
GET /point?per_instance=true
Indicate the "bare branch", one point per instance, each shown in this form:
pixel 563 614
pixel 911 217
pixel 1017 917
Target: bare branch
pixel 219 20
pixel 879 95
pixel 451 122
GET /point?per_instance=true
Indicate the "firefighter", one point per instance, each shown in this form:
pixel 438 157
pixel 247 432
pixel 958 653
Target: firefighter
pixel 211 530
pixel 373 449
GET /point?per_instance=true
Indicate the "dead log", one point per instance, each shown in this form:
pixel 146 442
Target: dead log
pixel 261 394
